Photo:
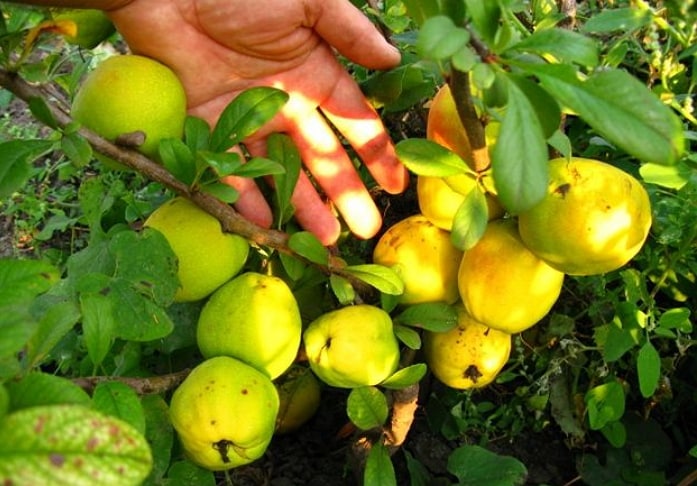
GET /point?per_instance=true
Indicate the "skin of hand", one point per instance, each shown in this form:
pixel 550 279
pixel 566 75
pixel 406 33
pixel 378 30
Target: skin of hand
pixel 219 48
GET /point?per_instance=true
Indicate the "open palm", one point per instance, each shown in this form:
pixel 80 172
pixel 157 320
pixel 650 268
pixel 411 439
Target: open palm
pixel 219 48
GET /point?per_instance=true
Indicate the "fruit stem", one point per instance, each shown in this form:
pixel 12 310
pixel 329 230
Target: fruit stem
pixel 460 87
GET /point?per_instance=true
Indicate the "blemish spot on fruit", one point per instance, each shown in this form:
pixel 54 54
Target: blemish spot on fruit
pixel 473 373
pixel 7 482
pixel 222 447
pixel 57 459
pixel 562 190
pixel 245 391
pixel 213 422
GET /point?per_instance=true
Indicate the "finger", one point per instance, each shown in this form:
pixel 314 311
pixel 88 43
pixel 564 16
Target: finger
pixel 251 203
pixel 331 167
pixel 348 30
pixel 311 212
pixel 359 123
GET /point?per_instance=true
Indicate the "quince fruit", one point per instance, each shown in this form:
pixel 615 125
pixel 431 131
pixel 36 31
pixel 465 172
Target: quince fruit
pixel 224 413
pixel 594 219
pixel 254 318
pixel 207 257
pixel 470 355
pixel 352 346
pixel 423 255
pixel 503 284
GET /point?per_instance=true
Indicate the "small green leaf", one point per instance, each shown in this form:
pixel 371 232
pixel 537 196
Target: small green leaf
pixel 563 45
pixel 519 164
pixel 71 444
pixel 398 89
pixel 439 38
pixel 405 377
pixel 379 470
pixel 38 389
pixel 16 157
pixel 625 20
pixel 76 148
pixel 432 316
pixel 245 114
pixel 308 246
pixel 159 434
pixel 178 159
pixel 677 318
pixel 120 401
pixel 293 266
pixel 670 176
pixel 186 473
pixel 382 278
pixel 224 163
pixel 366 407
pixel 98 325
pixel 615 433
pixel 40 109
pixel 342 288
pixel 259 167
pixel 222 191
pixel 281 148
pixel 648 368
pixel 57 317
pixel 486 17
pixel 470 220
pixel 197 134
pixel 476 466
pixel 427 158
pixel 407 335
pixel 605 403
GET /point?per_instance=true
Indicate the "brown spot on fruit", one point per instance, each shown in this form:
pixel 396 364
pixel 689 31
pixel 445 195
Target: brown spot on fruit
pixel 563 190
pixel 472 373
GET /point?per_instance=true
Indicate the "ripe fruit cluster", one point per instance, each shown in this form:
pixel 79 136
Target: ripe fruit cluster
pixel 593 219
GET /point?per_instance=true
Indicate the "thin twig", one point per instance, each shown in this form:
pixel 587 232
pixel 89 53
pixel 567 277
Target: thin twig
pixel 142 386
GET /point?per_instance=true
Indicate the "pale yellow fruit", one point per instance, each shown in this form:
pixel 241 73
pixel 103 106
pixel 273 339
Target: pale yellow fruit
pixel 503 284
pixel 439 202
pixel 224 413
pixel 471 355
pixel 423 255
pixel 594 219
pixel 254 318
pixel 207 257
pixel 130 93
pixel 352 346
pixel 300 394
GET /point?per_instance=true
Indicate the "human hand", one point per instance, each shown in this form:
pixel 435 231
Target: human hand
pixel 219 48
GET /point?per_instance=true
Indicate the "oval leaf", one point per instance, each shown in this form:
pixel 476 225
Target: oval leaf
pixel 408 336
pixel 406 377
pixel 37 389
pixel 432 316
pixel 427 158
pixel 476 466
pixel 649 369
pixel 379 470
pixel 70 444
pixel 121 401
pixel 366 406
pixel 308 246
pixel 382 278
pixel 470 220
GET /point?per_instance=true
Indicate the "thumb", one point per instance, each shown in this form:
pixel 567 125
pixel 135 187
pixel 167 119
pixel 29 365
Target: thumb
pixel 350 32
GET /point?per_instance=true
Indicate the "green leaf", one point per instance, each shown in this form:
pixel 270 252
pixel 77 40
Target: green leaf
pixel 223 164
pixel 16 157
pixel 562 45
pixel 38 389
pixel 76 148
pixel 159 434
pixel 439 38
pixel 281 148
pixel 615 433
pixel 648 368
pixel 519 159
pixel 222 191
pixel 366 407
pixel 432 316
pixel 677 318
pixel 605 403
pixel 197 134
pixel 398 89
pixel 620 108
pixel 545 106
pixel 245 114
pixel 476 466
pixel 57 317
pixel 670 176
pixel 308 246
pixel 185 473
pixel 294 267
pixel 625 20
pixel 98 325
pixel 259 167
pixel 427 158
pixel 178 159
pixel 342 288
pixel 407 335
pixel 419 10
pixel 379 470
pixel 405 377
pixel 485 17
pixel 41 111
pixel 71 444
pixel 470 220
pixel 120 401
pixel 382 278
